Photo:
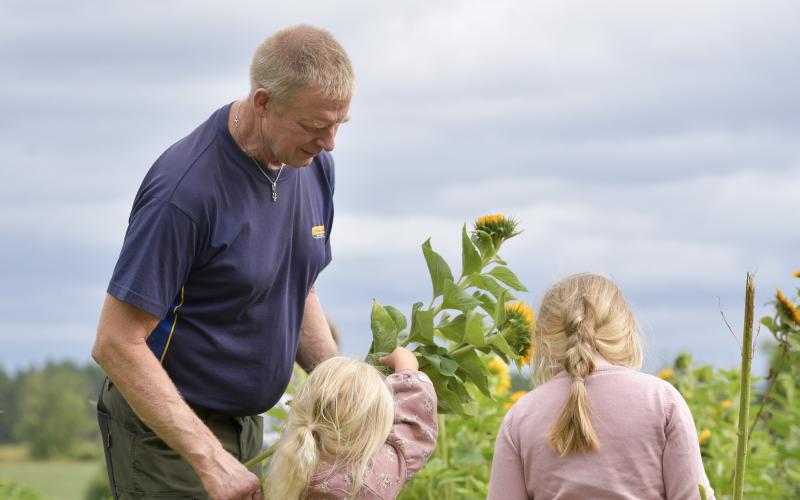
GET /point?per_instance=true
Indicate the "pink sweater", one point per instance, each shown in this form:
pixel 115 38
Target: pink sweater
pixel 408 447
pixel 648 443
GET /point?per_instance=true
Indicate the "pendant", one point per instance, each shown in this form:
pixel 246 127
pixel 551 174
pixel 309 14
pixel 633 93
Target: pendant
pixel 274 191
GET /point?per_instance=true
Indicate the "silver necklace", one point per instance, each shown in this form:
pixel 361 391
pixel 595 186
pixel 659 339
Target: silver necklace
pixel 274 183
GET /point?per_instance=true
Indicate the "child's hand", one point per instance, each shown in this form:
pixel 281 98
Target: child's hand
pixel 400 359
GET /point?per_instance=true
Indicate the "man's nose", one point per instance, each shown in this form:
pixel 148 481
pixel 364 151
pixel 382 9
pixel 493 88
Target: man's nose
pixel 327 139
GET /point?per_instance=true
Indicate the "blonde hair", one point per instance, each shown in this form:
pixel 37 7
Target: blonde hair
pixel 302 57
pixel 579 316
pixel 340 418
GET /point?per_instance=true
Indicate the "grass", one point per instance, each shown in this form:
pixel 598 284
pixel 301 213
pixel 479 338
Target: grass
pixel 53 479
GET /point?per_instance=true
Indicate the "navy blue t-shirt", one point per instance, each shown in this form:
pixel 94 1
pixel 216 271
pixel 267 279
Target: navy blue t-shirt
pixel 226 268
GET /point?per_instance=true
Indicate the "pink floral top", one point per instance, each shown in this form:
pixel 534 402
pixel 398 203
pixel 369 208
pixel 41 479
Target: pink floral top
pixel 408 447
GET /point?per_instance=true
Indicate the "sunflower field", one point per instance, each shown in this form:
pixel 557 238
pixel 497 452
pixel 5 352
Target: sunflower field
pixel 474 339
pixel 461 466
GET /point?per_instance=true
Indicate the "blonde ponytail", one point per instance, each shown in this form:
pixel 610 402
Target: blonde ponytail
pixel 579 317
pixel 295 459
pixel 338 419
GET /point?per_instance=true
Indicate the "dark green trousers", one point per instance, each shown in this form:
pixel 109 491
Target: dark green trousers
pixel 141 465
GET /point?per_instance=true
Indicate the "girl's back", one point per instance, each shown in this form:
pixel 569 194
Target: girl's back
pixel 648 443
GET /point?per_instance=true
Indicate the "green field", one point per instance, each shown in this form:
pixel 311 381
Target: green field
pixel 59 480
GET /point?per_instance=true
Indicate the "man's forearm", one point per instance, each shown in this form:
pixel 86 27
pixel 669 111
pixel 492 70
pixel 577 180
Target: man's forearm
pixel 316 340
pixel 153 397
pixel 147 388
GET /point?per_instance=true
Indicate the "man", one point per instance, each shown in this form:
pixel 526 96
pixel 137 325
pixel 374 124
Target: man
pixel 212 298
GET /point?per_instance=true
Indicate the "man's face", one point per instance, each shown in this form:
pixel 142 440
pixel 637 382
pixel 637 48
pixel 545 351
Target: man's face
pixel 297 131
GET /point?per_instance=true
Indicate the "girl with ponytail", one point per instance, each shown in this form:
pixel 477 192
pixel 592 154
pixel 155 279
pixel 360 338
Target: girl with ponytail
pixel 353 434
pixel 594 426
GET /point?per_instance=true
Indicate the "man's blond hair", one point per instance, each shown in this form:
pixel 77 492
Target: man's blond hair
pixel 298 58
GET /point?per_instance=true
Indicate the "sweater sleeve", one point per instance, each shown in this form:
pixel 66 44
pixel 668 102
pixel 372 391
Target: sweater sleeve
pixel 411 440
pixel 681 462
pixel 508 479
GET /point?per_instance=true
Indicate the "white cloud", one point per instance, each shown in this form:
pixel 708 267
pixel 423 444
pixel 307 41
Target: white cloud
pixel 655 141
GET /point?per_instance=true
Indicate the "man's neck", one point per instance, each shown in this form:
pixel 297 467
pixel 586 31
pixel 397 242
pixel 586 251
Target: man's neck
pixel 248 134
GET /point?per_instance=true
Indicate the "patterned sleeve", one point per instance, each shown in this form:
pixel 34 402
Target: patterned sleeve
pixel 411 440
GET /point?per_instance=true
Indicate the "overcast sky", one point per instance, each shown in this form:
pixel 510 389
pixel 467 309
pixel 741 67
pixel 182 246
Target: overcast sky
pixel 656 142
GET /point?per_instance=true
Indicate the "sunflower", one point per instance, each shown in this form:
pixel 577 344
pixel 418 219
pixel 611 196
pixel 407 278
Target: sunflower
pixel 518 328
pixel 514 398
pixel 499 368
pixel 787 307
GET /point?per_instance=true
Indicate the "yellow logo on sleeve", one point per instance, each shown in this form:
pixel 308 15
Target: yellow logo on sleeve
pixel 318 232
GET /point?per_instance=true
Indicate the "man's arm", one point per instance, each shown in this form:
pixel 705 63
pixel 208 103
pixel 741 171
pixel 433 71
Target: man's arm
pixel 316 341
pixel 121 349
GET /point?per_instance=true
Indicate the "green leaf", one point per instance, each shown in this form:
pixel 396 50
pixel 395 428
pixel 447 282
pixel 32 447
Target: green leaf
pixel 384 329
pixel 488 284
pixel 278 412
pixel 473 369
pixel 439 359
pixel 456 385
pixel 453 329
pixel 449 402
pixel 437 267
pixel 373 358
pixel 497 260
pixel 470 257
pixel 505 275
pixel 474 329
pixel 499 342
pixel 456 297
pixel 421 324
pixel 488 304
pixel 769 323
pixel 500 310
pixel 398 317
pixel 483 241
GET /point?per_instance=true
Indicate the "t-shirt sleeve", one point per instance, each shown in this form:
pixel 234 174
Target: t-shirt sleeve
pixel 159 250
pixel 508 480
pixel 681 462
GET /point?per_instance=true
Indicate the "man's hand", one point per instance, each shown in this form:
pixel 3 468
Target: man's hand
pixel 400 359
pixel 226 479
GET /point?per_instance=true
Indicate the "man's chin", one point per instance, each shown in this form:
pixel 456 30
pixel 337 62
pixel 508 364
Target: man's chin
pixel 301 162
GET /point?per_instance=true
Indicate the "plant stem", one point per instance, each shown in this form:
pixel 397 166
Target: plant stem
pixel 774 377
pixel 744 398
pixel 445 457
pixel 259 458
pixel 461 349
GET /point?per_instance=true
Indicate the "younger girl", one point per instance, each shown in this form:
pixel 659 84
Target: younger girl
pixel 352 433
pixel 595 427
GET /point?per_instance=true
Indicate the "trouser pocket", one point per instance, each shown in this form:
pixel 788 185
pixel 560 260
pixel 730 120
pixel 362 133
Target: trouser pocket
pixel 142 465
pixel 103 421
pixel 158 470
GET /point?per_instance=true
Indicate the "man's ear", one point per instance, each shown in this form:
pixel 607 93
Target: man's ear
pixel 261 102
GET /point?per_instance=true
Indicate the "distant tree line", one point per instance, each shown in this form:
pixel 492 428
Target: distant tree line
pixel 51 409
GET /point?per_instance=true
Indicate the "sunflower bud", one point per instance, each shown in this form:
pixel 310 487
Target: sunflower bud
pixel 498 226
